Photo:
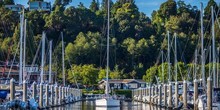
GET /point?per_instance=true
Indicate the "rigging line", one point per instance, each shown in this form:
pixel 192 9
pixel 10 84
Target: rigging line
pixel 72 72
pixel 34 60
pixel 13 60
pixel 190 30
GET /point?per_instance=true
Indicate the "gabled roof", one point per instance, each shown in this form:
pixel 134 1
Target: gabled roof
pixel 125 81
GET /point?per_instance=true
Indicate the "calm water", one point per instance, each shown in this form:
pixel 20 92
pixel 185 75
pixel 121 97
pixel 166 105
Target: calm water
pixel 90 105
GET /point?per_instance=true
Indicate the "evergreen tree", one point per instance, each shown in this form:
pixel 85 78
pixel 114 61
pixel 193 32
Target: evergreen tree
pixel 207 10
pixel 94 6
pixel 9 2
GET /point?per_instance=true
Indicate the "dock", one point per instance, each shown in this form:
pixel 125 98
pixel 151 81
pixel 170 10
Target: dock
pixel 167 96
pixel 41 96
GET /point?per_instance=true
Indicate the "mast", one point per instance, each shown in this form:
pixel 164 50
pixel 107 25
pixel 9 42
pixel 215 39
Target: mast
pixel 168 52
pixel 213 49
pixel 195 65
pixel 24 58
pixel 210 58
pixel 202 48
pixel 175 57
pixel 50 68
pixel 107 66
pixel 21 41
pixel 42 57
pixel 218 68
pixel 162 66
pixel 63 60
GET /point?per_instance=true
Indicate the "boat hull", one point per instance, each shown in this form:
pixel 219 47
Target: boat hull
pixel 107 102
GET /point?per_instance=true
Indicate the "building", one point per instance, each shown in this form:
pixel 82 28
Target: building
pixel 15 8
pixel 31 72
pixel 123 83
pixel 39 5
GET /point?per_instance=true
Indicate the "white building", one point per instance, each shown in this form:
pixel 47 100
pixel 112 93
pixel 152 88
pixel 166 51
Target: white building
pixel 39 5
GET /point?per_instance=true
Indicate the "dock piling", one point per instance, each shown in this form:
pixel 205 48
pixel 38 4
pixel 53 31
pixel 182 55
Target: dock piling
pixel 209 93
pixel 176 94
pixel 41 96
pixel 195 94
pixel 47 95
pixel 12 89
pixel 170 96
pixel 184 95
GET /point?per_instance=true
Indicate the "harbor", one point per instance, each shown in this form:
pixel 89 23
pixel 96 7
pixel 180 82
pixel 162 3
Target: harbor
pixel 110 55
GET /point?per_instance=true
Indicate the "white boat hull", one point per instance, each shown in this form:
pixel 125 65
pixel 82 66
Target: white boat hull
pixel 107 102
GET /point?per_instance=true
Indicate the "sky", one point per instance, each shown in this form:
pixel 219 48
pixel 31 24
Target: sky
pixel 146 6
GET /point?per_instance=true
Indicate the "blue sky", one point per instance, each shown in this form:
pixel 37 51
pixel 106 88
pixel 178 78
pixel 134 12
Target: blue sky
pixel 146 6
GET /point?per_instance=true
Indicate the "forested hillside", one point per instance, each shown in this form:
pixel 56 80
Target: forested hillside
pixel 136 40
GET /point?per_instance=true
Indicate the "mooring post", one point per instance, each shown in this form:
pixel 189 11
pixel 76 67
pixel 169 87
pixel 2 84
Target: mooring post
pixel 12 89
pixel 160 95
pixel 195 94
pixel 165 95
pixel 176 94
pixel 63 94
pixel 150 101
pixel 34 92
pixel 52 94
pixel 24 91
pixel 47 95
pixel 153 94
pixel 209 93
pixel 41 96
pixel 60 95
pixel 184 95
pixel 56 96
pixel 170 96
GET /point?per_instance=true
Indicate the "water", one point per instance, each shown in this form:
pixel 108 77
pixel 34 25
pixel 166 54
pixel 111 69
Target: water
pixel 90 105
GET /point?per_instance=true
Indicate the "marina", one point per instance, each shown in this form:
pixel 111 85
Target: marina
pixel 109 56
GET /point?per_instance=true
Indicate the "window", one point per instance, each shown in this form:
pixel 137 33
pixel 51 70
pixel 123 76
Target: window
pixel 132 85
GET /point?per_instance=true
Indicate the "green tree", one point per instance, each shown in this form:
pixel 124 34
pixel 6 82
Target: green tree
pixel 94 6
pixel 207 10
pixel 85 49
pixel 9 2
pixel 87 74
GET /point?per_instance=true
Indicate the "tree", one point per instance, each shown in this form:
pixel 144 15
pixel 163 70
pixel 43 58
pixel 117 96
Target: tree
pixel 94 6
pixel 9 2
pixel 87 74
pixel 61 3
pixel 36 21
pixel 207 10
pixel 85 49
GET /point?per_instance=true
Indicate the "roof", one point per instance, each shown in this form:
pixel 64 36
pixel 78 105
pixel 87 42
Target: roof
pixel 123 81
pixel 16 5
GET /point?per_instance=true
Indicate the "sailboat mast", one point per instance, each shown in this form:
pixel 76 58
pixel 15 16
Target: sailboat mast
pixel 210 58
pixel 202 48
pixel 63 60
pixel 217 68
pixel 24 54
pixel 42 57
pixel 168 52
pixel 21 42
pixel 107 65
pixel 162 66
pixel 175 58
pixel 195 75
pixel 50 67
pixel 213 48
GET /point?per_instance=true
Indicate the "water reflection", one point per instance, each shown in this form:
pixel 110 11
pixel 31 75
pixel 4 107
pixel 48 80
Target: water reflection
pixel 90 105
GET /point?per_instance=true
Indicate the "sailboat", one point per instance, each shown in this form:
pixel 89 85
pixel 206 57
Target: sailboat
pixel 108 100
